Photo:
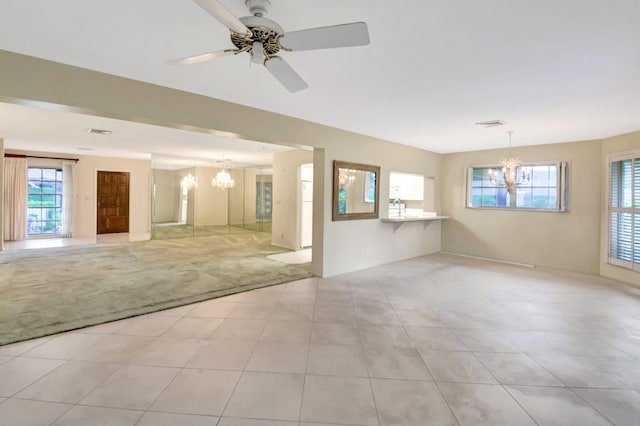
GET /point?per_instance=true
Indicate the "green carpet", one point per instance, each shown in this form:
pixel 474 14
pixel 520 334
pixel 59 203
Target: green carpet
pixel 46 291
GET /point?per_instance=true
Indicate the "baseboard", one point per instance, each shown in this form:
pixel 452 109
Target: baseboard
pixel 488 259
pixel 140 236
pixel 282 246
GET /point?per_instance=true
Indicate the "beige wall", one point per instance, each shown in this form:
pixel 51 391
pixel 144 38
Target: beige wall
pixel 359 244
pixel 250 193
pixel 572 240
pixel 86 180
pixel 616 144
pixel 569 240
pixel 211 203
pixel 139 190
pixel 285 222
pixel 338 246
pixel 240 207
pixel 166 201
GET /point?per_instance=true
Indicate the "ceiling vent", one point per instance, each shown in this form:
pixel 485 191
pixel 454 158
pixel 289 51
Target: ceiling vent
pixel 491 123
pixel 100 131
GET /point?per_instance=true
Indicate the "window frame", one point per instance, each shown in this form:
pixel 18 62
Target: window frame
pixel 55 194
pixel 561 185
pixel 611 158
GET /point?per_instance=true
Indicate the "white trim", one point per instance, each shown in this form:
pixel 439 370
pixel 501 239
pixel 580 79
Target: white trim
pixel 488 259
pixel 634 156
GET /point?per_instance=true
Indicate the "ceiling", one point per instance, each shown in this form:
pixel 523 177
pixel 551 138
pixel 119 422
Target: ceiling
pixel 555 71
pixel 42 130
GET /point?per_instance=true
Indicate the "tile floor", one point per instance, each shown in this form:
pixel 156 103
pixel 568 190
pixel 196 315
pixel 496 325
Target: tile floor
pixel 37 243
pixel 437 340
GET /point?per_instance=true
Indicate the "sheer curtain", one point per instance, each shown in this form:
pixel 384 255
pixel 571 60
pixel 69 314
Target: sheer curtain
pixel 68 197
pixel 15 198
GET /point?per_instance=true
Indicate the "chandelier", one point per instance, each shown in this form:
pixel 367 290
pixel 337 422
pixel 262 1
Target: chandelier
pixel 223 179
pixel 510 178
pixel 347 176
pixel 189 181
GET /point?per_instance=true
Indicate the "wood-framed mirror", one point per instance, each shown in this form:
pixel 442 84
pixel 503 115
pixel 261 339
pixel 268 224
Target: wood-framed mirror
pixel 356 191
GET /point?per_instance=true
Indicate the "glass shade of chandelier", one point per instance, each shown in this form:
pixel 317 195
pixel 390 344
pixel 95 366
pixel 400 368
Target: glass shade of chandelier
pixel 223 180
pixel 509 177
pixel 189 181
pixel 346 176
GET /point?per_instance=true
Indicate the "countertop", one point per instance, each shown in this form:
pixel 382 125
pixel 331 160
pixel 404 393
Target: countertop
pixel 402 219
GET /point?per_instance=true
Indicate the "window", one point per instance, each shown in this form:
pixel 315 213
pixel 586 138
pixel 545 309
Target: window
pixel 543 190
pixel 624 210
pixel 45 201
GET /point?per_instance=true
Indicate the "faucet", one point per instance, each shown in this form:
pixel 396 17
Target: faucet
pixel 397 200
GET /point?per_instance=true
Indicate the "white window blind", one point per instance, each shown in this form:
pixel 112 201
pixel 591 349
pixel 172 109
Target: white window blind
pixel 624 210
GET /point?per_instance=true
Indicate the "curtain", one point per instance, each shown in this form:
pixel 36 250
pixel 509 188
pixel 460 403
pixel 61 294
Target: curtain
pixel 15 198
pixel 68 197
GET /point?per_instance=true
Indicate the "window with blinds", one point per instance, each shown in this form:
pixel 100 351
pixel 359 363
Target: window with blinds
pixel 624 210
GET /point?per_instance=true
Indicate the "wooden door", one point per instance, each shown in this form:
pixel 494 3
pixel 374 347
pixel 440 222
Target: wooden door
pixel 113 202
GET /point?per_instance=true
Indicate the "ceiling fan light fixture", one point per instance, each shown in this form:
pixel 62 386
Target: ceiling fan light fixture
pixel 257 53
pixel 263 39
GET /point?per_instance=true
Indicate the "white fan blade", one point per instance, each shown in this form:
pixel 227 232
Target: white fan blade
pixel 285 74
pixel 345 35
pixel 204 57
pixel 222 14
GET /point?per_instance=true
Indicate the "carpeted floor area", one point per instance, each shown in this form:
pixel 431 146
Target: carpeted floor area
pixel 46 291
pixel 163 231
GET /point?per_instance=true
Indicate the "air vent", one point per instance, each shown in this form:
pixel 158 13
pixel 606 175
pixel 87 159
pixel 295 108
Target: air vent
pixel 491 123
pixel 100 131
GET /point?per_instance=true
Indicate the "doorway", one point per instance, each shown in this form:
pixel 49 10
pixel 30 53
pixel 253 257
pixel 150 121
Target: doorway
pixel 112 202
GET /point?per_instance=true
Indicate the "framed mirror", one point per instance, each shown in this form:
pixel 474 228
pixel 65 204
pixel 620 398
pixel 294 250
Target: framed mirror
pixel 356 191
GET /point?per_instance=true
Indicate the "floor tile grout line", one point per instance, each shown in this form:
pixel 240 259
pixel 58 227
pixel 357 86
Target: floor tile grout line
pixel 373 397
pixel 591 405
pixel 226 405
pixel 306 368
pixel 519 404
pixel 39 378
pixel 486 368
pixel 453 413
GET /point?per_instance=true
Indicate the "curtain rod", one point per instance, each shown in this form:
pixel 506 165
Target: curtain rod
pixel 36 156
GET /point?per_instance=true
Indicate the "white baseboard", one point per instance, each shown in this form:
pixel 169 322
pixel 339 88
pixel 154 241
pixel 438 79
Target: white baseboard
pixel 140 236
pixel 488 259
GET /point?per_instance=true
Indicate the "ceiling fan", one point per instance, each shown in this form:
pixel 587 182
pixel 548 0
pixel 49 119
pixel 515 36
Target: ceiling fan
pixel 263 38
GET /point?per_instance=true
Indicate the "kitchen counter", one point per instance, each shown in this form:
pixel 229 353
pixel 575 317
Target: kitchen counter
pixel 410 218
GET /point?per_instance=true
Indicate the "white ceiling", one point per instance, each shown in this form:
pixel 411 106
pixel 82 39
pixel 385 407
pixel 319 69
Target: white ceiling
pixel 555 70
pixel 32 129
